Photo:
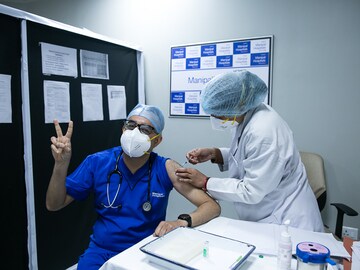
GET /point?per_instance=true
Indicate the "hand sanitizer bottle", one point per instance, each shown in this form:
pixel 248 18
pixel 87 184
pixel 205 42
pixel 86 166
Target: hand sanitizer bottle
pixel 285 249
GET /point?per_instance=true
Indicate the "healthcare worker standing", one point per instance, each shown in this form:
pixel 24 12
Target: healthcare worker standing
pixel 131 185
pixel 267 181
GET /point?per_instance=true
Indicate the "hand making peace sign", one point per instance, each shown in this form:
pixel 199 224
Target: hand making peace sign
pixel 61 145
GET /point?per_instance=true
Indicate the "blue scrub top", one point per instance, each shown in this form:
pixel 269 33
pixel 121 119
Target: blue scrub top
pixel 118 229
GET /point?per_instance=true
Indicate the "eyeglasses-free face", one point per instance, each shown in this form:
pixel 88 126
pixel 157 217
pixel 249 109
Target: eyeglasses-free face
pixel 143 128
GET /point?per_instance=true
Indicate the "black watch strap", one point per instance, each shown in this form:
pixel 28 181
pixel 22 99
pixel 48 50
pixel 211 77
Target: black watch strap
pixel 187 218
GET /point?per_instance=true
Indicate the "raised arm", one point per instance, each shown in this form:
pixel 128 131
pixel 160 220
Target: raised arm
pixel 207 208
pixel 56 197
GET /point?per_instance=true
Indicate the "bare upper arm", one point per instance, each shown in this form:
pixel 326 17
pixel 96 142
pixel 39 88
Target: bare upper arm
pixel 193 194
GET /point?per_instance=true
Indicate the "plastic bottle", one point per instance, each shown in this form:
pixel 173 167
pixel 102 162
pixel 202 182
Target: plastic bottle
pixel 285 249
pixel 312 256
pixel 206 249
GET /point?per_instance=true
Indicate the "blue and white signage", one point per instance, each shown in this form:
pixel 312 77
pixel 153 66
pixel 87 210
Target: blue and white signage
pixel 192 66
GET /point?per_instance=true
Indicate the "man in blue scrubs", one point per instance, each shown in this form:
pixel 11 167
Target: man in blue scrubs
pixel 131 185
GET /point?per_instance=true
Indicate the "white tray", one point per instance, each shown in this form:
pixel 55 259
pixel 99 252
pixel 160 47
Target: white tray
pixel 183 248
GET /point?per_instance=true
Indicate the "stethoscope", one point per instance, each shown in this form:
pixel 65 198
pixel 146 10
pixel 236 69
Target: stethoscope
pixel 146 205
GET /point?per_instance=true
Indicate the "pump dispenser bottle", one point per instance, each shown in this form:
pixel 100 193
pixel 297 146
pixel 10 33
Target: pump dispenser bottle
pixel 285 249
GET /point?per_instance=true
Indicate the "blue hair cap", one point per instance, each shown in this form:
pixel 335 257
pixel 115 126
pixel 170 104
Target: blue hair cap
pixel 151 113
pixel 233 93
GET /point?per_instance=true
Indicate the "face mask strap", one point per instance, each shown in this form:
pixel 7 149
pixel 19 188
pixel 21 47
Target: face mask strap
pixel 228 119
pixel 157 135
pixel 224 121
pixel 233 121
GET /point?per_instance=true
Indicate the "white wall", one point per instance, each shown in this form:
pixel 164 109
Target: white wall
pixel 315 77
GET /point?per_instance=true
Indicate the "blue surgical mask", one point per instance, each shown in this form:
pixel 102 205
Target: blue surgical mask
pixel 219 124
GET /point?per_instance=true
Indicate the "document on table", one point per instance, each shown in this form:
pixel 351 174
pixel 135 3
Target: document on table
pixel 265 236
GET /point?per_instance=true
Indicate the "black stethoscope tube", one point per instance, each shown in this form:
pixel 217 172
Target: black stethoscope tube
pixel 146 205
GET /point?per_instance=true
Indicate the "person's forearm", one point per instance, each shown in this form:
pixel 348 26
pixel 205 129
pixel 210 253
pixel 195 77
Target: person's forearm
pixel 56 193
pixel 217 156
pixel 205 212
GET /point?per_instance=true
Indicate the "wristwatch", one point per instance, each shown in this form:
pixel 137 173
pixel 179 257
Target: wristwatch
pixel 187 218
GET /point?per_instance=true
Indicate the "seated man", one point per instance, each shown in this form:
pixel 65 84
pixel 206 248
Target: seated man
pixel 131 185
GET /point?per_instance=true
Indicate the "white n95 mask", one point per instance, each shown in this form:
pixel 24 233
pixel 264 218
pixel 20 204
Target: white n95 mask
pixel 220 124
pixel 134 143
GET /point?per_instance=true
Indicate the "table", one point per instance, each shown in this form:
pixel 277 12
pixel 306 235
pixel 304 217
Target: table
pixel 262 258
pixel 133 258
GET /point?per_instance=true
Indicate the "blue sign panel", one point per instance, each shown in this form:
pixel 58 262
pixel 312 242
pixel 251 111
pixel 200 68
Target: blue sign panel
pixel 193 63
pixel 242 47
pixel 177 97
pixel 192 108
pixel 259 59
pixel 177 53
pixel 208 50
pixel 224 61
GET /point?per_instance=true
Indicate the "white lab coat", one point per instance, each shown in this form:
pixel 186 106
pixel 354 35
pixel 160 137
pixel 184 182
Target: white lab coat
pixel 267 180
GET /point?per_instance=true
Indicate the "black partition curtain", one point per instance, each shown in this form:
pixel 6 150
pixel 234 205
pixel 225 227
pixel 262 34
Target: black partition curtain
pixel 64 235
pixel 14 253
pixel 35 238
